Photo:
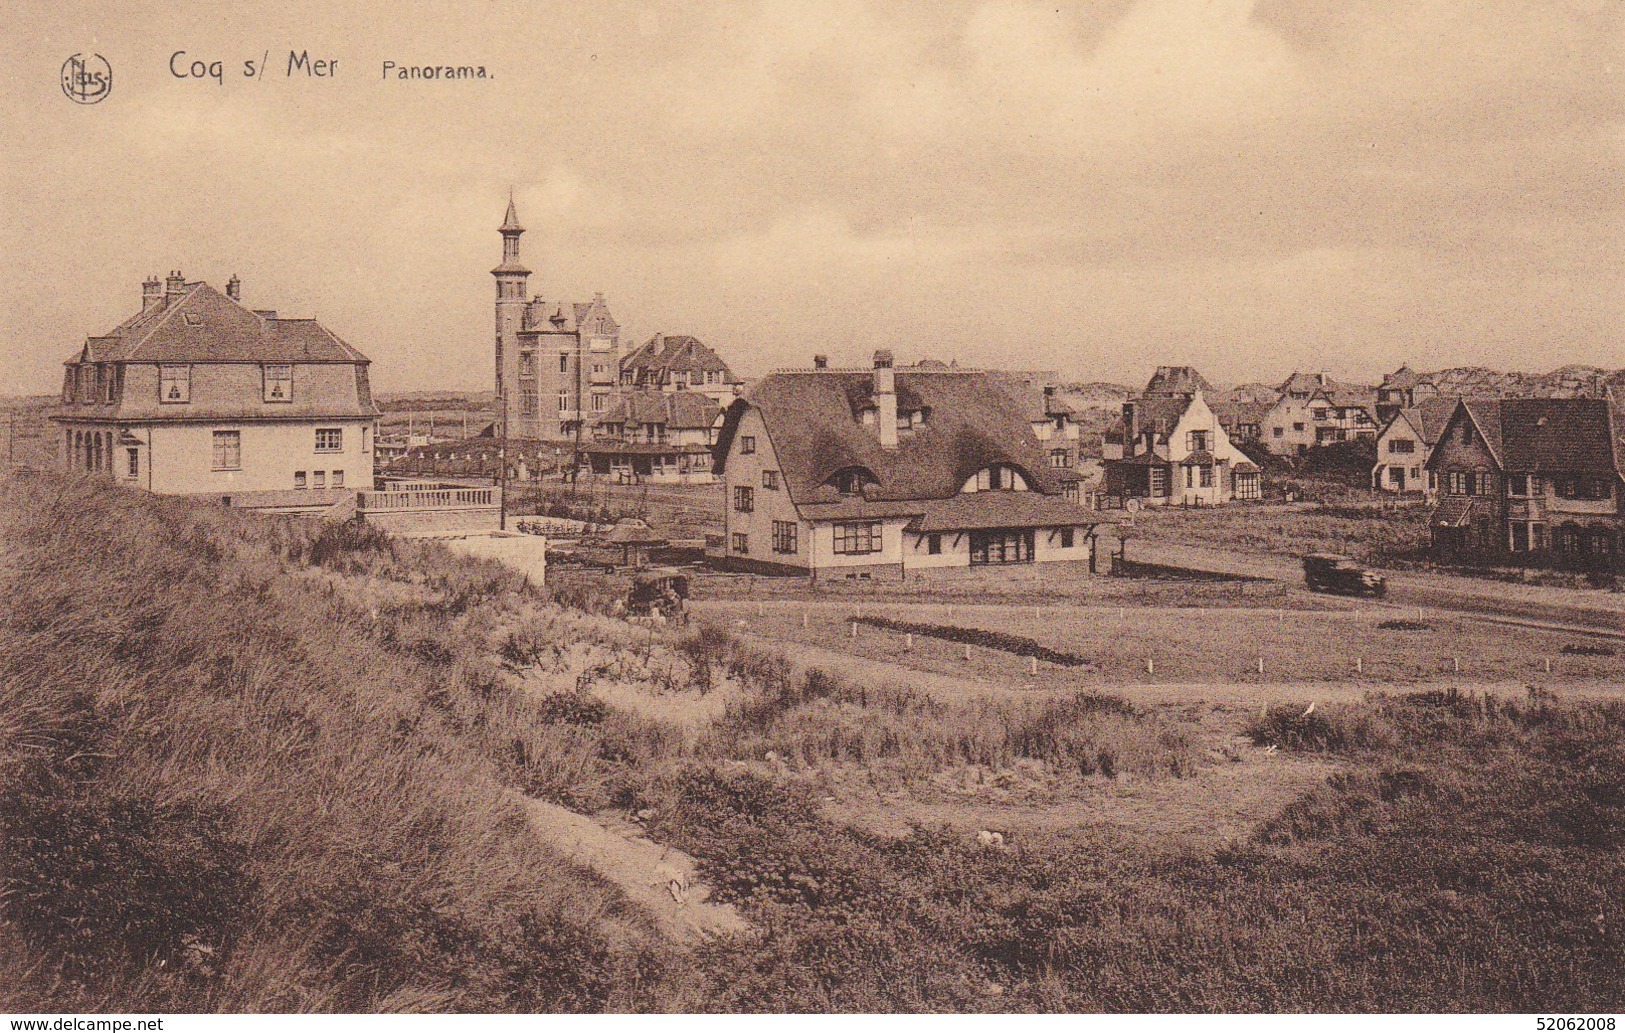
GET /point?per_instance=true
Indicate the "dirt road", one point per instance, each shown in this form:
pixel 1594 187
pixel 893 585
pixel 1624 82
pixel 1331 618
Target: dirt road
pixel 1592 610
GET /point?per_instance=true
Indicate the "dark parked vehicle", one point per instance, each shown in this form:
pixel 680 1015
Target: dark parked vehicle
pixel 1325 572
pixel 657 591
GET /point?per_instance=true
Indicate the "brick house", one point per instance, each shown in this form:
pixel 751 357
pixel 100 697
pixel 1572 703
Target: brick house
pixel 196 394
pixel 889 471
pixel 1531 478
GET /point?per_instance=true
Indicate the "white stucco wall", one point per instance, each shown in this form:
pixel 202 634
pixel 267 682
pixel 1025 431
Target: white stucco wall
pixel 770 504
pixel 179 460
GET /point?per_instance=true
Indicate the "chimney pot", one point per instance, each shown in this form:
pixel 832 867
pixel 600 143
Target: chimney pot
pixel 175 284
pixel 820 362
pixel 152 291
pixel 883 359
pixel 234 288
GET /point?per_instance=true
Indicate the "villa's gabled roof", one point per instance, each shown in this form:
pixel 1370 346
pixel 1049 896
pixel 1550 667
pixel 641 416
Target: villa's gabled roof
pixel 814 420
pixel 1177 380
pixel 1428 419
pixel 1570 435
pixel 678 410
pixel 202 325
pixel 1545 435
pixel 676 352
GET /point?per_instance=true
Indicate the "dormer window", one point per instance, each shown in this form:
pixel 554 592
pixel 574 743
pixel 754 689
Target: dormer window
pixel 278 383
pixel 851 480
pixel 174 384
pixel 998 477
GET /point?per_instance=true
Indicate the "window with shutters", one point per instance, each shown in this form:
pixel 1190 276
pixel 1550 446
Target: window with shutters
pixel 228 450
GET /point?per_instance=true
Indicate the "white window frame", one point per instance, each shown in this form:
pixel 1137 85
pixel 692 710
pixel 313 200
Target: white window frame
pixel 859 538
pixel 337 440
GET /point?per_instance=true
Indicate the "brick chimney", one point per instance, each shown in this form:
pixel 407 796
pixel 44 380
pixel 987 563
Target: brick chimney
pixel 152 292
pixel 175 284
pixel 234 288
pixel 820 362
pixel 886 398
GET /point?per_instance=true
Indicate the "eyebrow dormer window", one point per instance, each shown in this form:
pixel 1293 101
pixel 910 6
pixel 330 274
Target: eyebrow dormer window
pixel 998 477
pixel 851 481
pixel 278 383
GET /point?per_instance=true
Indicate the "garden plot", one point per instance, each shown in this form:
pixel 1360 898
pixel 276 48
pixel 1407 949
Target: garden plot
pixel 1128 646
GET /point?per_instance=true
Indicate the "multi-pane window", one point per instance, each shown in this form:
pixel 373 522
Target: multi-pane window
pixel 1582 488
pixel 1068 537
pixel 527 364
pixel 1401 446
pixel 228 450
pixel 329 439
pixel 741 542
pixel 174 384
pixel 338 478
pixel 600 402
pixel 527 399
pixel 134 456
pixel 564 401
pixel 744 499
pixel 278 383
pixel 1196 441
pixel 564 363
pixel 770 479
pixel 784 536
pixel 747 444
pixel 853 539
pixel 1207 476
pixel 318 479
pixel 1057 458
pixel 299 479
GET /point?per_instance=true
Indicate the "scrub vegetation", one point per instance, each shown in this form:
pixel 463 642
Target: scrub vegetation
pixel 256 764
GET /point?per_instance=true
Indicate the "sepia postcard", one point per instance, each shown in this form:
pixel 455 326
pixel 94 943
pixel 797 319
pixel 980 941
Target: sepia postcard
pixel 795 507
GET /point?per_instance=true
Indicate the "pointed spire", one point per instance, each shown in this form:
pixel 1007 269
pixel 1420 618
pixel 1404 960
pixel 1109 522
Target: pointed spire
pixel 511 221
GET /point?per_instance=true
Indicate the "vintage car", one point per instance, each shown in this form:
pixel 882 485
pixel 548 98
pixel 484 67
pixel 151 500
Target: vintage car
pixel 1326 572
pixel 657 591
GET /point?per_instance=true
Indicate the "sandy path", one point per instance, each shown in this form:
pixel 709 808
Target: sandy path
pixel 643 869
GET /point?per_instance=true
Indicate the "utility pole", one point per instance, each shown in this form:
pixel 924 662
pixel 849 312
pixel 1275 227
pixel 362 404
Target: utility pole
pixel 502 461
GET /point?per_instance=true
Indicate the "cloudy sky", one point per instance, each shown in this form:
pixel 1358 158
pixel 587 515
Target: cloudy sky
pixel 1244 185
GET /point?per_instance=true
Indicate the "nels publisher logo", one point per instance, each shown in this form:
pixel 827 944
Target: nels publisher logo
pixel 87 79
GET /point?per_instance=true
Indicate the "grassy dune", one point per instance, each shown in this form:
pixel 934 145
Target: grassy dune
pixel 248 764
pixel 224 786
